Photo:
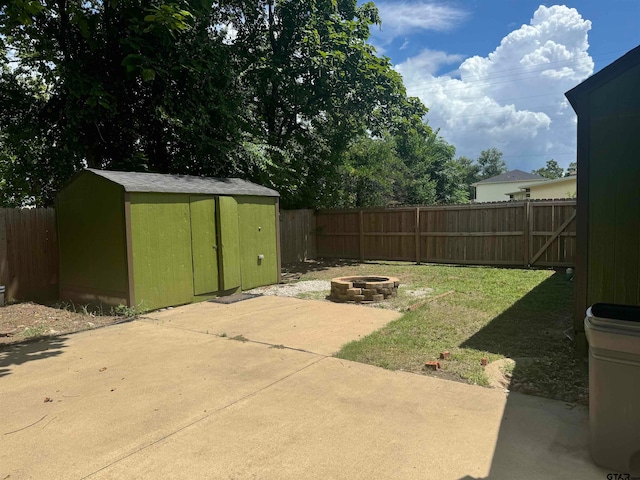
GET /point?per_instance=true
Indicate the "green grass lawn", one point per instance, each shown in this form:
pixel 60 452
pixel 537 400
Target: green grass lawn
pixel 494 313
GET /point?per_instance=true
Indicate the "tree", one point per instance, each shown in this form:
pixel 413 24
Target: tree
pixel 470 172
pixel 552 170
pixel 369 172
pixel 313 85
pixel 131 85
pixel 572 169
pixel 491 163
pixel 274 91
pixel 432 174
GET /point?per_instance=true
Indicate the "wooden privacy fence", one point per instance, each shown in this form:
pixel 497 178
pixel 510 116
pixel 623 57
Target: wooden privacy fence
pixel 297 235
pixel 536 233
pixel 29 253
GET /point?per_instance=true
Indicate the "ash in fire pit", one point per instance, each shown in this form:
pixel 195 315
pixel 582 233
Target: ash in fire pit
pixel 363 289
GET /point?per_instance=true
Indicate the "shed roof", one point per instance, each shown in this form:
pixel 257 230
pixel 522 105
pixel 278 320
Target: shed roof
pixel 511 176
pixel 164 183
pixel 607 74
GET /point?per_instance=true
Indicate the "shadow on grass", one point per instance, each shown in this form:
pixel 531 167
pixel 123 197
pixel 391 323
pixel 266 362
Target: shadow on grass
pixel 20 353
pixel 544 311
pixel 535 332
pixel 538 437
pixel 309 266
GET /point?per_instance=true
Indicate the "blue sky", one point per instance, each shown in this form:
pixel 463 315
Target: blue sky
pixel 493 72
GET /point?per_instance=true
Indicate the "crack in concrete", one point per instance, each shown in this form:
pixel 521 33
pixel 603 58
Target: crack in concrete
pixel 243 340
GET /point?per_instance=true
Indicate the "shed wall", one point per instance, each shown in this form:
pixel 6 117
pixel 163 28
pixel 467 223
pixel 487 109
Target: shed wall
pixel 92 245
pixel 161 246
pixel 257 223
pixel 614 202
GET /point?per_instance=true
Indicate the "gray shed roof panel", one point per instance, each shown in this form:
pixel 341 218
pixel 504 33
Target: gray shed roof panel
pixel 164 183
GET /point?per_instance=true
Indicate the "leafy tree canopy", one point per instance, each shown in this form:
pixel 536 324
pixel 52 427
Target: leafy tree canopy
pixel 552 170
pixel 287 93
pixel 491 163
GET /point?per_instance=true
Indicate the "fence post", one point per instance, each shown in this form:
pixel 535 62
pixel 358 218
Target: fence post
pixel 418 235
pixel 527 232
pixel 361 230
pixel 4 271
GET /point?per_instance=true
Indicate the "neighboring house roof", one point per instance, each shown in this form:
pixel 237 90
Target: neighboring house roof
pixel 548 182
pixel 606 75
pixel 511 176
pixel 164 183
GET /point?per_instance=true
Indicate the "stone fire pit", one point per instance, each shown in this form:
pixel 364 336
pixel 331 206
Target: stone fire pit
pixel 363 289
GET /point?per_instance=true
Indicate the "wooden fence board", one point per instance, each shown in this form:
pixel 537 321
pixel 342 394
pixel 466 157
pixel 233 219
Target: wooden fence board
pixel 29 254
pixel 297 235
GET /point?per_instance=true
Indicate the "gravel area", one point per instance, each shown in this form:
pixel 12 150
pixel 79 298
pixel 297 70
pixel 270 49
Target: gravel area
pixel 294 289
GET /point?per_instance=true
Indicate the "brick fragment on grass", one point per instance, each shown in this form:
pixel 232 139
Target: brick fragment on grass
pixel 432 365
pixel 445 355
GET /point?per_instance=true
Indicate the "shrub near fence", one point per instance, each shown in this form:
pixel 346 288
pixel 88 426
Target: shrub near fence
pixel 29 253
pixel 538 233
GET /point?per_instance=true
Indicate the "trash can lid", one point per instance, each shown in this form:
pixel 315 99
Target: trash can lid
pixel 613 327
pixel 628 313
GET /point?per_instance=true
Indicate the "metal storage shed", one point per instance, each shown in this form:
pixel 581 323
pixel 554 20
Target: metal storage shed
pixel 608 203
pixel 149 240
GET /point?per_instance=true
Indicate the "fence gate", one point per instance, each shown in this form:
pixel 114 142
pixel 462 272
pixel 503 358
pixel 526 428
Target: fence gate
pixel 552 233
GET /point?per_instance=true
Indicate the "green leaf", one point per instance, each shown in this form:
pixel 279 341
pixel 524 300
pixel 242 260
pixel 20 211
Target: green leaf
pixel 148 74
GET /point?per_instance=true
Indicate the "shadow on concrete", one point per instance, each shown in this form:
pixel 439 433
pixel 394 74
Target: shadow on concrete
pixel 19 353
pixel 540 438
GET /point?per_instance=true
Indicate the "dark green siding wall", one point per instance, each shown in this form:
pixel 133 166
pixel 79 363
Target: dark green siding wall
pixel 614 192
pixel 161 244
pixel 257 225
pixel 92 242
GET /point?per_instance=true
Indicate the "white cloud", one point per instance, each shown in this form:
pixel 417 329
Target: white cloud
pixel 428 62
pixel 407 17
pixel 513 98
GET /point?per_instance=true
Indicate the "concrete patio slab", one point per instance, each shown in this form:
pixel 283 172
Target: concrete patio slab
pixel 338 419
pixel 315 326
pixel 160 399
pixel 116 389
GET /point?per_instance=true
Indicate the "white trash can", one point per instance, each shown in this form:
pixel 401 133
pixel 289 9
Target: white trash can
pixel 613 332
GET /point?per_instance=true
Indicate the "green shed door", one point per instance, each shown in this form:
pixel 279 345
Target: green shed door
pixel 230 239
pixel 204 245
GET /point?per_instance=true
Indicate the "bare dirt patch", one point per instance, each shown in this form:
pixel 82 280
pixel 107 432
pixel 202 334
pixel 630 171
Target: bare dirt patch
pixel 25 321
